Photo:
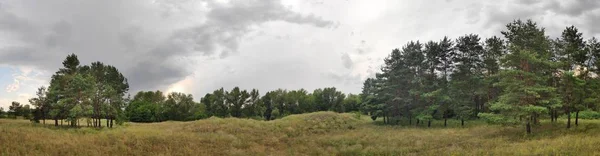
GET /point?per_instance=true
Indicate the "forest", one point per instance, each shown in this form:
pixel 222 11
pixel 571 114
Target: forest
pixel 518 79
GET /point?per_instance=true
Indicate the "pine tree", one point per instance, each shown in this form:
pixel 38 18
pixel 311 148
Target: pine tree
pixel 528 68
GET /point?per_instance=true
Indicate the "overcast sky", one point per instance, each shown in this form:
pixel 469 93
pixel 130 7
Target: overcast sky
pixel 197 46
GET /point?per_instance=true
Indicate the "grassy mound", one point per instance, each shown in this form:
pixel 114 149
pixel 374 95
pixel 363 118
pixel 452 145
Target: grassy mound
pixel 321 133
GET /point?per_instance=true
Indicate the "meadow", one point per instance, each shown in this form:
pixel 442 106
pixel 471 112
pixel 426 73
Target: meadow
pixel 320 133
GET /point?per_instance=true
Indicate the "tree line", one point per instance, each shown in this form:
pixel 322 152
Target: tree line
pixel 515 80
pixel 96 92
pixel 153 106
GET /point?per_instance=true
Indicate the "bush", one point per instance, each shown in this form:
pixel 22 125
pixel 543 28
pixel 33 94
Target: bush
pixel 587 114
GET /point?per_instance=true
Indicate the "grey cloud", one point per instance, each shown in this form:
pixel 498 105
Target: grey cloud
pixel 136 35
pixel 60 34
pixel 572 7
pixel 345 78
pixel 584 11
pixel 592 22
pixel 155 74
pixel 363 48
pixel 347 61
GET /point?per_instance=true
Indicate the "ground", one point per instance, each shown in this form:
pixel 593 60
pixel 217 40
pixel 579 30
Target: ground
pixel 321 133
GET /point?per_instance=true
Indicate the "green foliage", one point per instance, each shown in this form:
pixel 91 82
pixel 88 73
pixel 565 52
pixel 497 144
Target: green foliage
pixel 587 114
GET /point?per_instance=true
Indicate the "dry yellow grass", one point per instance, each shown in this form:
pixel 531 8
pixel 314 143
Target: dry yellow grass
pixel 322 133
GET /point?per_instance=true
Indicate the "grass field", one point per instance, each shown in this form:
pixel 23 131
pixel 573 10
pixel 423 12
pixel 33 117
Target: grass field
pixel 322 133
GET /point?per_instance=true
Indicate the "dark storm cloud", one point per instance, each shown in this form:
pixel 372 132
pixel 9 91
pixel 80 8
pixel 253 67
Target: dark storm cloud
pixel 572 7
pixel 583 12
pixel 135 36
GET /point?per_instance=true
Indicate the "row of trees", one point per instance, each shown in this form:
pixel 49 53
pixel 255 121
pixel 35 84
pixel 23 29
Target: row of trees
pixel 16 109
pixel 517 79
pixel 155 107
pixel 93 92
pixel 97 91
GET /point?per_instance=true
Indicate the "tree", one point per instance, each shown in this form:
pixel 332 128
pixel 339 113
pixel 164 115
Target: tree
pixel 146 106
pixel 494 49
pixel 571 88
pixel 179 107
pixel 41 104
pixel 57 89
pixel 252 106
pixel 2 112
pixel 351 103
pixel 467 77
pixel 267 101
pixel 15 109
pixel 328 99
pixel 573 57
pixel 526 94
pixel 236 99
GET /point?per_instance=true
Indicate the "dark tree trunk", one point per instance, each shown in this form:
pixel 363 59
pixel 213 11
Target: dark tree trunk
pixel 555 115
pixel 410 120
pixel 528 127
pixel 462 122
pixel 55 122
pixel 107 122
pixel 61 122
pixel 111 123
pixel 568 118
pixel 417 122
pixel 577 118
pixel 445 120
pixel 552 116
pixel 429 123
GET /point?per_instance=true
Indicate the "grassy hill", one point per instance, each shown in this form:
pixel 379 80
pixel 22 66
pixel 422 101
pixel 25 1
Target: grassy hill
pixel 321 133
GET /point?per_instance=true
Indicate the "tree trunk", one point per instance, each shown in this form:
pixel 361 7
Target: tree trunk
pixel 44 120
pixel 552 116
pixel 568 118
pixel 445 121
pixel 55 122
pixel 556 115
pixel 417 122
pixel 107 122
pixel 61 122
pixel 462 122
pixel 528 127
pixel 429 123
pixel 410 120
pixel 577 118
pixel 111 123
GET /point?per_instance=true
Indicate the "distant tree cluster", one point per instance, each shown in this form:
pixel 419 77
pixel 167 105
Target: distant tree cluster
pixel 518 79
pixel 16 109
pixel 277 103
pixel 155 107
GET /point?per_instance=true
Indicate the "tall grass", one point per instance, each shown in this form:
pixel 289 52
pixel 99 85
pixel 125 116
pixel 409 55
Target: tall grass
pixel 321 133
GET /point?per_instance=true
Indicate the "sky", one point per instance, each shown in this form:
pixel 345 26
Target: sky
pixel 197 46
